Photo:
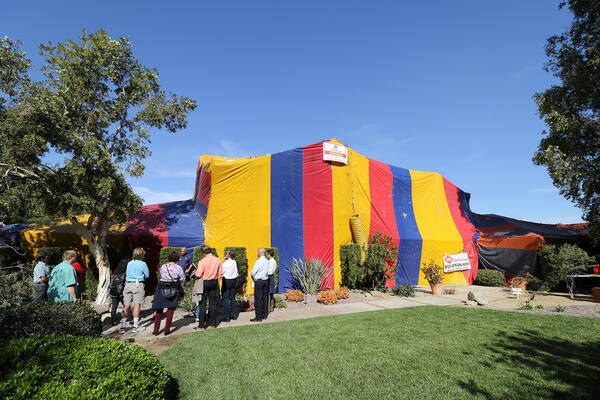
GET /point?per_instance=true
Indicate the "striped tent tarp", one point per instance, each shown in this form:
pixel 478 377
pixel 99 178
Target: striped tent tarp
pixel 301 204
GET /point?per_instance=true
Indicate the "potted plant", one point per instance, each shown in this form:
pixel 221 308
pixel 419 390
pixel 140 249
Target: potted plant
pixel 434 275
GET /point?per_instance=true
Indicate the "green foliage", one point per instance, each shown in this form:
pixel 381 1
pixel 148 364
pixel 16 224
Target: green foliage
pixel 433 272
pixel 404 290
pixel 55 254
pixel 279 302
pixel 571 109
pixel 309 275
pixel 490 277
pixel 352 272
pixel 16 288
pixel 559 308
pixel 67 367
pixel 10 256
pixel 276 275
pixel 95 107
pixel 187 303
pixel 530 306
pixel 241 259
pixel 164 254
pixel 556 262
pixel 49 318
pixel 381 260
pixel 534 284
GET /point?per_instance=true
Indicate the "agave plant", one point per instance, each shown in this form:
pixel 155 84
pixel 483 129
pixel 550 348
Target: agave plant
pixel 309 274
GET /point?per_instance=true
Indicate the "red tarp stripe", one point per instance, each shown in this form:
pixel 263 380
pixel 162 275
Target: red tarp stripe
pixel 465 227
pixel 383 218
pixel 317 201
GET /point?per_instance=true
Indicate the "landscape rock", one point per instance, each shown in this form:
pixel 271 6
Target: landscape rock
pixel 471 303
pixel 477 297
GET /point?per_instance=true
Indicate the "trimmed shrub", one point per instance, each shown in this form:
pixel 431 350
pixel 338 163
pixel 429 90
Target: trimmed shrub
pixel 67 367
pixel 490 277
pixel 163 257
pixel 404 290
pixel 350 258
pixel 342 293
pixel 294 295
pixel 49 318
pixel 382 257
pixel 16 288
pixel 556 262
pixel 327 297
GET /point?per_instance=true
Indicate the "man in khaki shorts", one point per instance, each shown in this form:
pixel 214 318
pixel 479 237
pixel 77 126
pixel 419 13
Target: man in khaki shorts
pixel 134 292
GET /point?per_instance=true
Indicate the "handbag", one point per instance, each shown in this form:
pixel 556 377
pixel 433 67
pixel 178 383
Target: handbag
pixel 171 290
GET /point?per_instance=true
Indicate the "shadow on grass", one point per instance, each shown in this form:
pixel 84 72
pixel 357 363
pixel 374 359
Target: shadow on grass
pixel 551 368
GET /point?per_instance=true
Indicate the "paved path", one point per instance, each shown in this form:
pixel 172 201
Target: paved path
pixel 499 298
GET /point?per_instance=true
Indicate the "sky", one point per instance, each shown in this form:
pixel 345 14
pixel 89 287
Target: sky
pixel 443 86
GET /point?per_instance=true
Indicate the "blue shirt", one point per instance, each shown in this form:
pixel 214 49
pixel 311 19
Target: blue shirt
pixel 260 270
pixel 185 261
pixel 137 270
pixel 40 269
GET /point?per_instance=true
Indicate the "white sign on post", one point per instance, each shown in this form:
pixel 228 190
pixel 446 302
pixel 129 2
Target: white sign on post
pixel 335 152
pixel 456 262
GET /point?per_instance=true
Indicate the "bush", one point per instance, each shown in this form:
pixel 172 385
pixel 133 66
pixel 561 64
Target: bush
pixel 276 275
pixel 187 303
pixel 279 303
pixel 310 274
pixel 16 288
pixel 199 255
pixel 350 258
pixel 342 293
pixel 534 283
pixel 10 256
pixel 490 277
pixel 55 254
pixel 404 290
pixel 294 295
pixel 49 318
pixel 382 257
pixel 327 297
pixel 556 262
pixel 163 257
pixel 66 367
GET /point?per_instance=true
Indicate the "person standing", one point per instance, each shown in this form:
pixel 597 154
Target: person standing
pixel 135 276
pixel 80 271
pixel 116 287
pixel 270 254
pixel 229 287
pixel 170 272
pixel 210 269
pixel 41 271
pixel 63 280
pixel 260 276
pixel 186 261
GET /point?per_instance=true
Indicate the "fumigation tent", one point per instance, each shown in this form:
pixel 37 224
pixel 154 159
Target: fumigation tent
pixel 301 202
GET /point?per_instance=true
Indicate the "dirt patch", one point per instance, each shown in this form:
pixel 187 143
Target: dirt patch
pixel 587 310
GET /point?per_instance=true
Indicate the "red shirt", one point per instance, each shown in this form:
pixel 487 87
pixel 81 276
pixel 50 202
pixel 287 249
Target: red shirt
pixel 209 268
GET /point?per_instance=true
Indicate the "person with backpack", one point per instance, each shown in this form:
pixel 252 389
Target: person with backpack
pixel 115 289
pixel 168 291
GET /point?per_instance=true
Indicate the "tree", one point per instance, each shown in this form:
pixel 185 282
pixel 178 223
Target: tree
pixel 570 148
pixel 95 109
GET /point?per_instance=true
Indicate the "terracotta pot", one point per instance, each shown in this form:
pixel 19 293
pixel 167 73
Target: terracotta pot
pixel 436 289
pixel 596 270
pixel 596 294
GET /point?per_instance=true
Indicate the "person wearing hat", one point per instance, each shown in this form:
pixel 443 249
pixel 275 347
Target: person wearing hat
pixel 41 271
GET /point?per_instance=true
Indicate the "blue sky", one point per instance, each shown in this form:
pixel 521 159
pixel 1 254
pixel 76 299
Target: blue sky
pixel 441 86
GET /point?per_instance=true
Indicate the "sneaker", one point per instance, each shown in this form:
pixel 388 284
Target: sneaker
pixel 138 329
pixel 198 328
pixel 122 330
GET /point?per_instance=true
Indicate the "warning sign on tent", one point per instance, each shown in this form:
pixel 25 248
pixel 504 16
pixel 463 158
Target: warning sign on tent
pixel 456 262
pixel 335 152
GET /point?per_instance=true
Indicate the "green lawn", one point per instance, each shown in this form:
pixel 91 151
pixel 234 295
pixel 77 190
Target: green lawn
pixel 415 353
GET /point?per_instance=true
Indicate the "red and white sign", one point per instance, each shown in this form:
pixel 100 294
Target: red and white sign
pixel 456 262
pixel 335 152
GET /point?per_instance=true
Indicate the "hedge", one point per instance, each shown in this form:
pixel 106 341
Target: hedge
pixel 68 367
pixel 49 318
pixel 490 277
pixel 350 258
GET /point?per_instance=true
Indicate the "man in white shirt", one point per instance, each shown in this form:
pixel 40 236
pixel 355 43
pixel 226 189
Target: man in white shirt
pixel 228 289
pixel 270 254
pixel 260 275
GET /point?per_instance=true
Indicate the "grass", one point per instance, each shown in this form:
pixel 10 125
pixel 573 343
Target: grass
pixel 421 352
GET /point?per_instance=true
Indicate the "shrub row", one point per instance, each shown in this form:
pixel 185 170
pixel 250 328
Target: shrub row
pixel 490 277
pixel 67 367
pixel 49 318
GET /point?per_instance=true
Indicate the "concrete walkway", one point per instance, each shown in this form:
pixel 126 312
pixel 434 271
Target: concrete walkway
pixel 498 298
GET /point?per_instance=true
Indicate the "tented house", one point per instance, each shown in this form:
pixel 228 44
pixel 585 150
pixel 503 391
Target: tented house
pixel 301 201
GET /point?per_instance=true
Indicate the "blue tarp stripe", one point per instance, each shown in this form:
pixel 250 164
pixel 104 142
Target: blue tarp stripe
pixel 184 227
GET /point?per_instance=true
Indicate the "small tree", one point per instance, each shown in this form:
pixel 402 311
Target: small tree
pixel 556 262
pixel 382 257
